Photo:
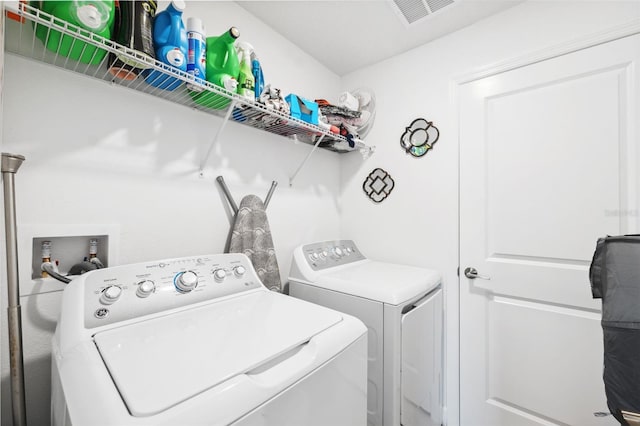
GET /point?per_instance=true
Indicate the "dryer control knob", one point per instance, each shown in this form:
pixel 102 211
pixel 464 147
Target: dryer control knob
pixel 239 270
pixel 145 288
pixel 219 275
pixel 186 281
pixel 111 294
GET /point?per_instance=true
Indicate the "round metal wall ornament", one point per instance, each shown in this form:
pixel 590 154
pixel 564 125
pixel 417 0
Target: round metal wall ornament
pixel 378 185
pixel 419 137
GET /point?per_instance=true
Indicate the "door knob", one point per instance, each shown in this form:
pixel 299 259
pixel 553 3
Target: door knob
pixel 473 274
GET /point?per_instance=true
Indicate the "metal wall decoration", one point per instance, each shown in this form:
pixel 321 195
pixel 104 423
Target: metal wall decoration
pixel 378 185
pixel 419 137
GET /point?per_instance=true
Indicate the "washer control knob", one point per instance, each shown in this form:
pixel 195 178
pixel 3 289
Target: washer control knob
pixel 337 252
pixel 145 288
pixel 239 270
pixel 186 281
pixel 323 254
pixel 219 275
pixel 349 250
pixel 314 256
pixel 111 294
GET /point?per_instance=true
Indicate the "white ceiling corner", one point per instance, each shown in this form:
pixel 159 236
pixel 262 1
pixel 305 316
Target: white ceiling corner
pixel 363 32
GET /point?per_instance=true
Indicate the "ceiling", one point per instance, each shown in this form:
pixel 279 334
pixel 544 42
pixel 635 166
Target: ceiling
pixel 347 35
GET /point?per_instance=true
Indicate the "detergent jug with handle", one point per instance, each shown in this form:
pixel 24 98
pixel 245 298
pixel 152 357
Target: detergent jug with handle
pixel 94 16
pixel 222 69
pixel 170 42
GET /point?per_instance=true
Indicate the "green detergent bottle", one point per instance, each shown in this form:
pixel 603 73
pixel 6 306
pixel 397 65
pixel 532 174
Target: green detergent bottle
pixel 222 69
pixel 93 16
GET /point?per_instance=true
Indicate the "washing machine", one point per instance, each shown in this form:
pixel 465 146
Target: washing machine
pixel 402 309
pixel 200 341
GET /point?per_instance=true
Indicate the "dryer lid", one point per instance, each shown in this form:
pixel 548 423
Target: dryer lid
pixel 380 281
pixel 164 361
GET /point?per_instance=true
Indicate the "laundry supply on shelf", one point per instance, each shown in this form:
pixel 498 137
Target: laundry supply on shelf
pixel 258 76
pixel 246 80
pixel 196 53
pixel 272 99
pixel 303 109
pixel 171 45
pixel 348 101
pixel 222 69
pixel 249 79
pixel 342 117
pixel 94 16
pixel 323 124
pixel 134 30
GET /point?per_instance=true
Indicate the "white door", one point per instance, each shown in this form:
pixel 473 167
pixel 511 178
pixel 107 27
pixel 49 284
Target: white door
pixel 548 163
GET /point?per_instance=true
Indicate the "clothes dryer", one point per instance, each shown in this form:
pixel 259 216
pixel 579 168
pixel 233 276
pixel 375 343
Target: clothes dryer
pixel 200 341
pixel 402 308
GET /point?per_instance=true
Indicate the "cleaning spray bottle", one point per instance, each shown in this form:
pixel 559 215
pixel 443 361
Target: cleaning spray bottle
pixel 222 69
pixel 170 43
pixel 197 52
pixel 246 81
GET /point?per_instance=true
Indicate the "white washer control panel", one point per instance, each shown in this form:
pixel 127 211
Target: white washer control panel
pixel 329 254
pixel 125 292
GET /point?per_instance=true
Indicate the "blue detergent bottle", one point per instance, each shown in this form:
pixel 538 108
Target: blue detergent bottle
pixel 171 45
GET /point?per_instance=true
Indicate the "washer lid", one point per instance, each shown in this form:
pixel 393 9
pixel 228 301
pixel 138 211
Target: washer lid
pixel 161 362
pixel 384 282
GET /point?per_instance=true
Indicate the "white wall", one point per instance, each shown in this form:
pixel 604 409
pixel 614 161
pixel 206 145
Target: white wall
pixel 99 155
pixel 418 223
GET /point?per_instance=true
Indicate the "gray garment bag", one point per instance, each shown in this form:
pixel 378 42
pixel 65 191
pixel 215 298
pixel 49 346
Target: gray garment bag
pixel 615 278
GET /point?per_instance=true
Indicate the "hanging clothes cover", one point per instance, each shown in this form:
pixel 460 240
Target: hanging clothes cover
pixel 615 278
pixel 251 235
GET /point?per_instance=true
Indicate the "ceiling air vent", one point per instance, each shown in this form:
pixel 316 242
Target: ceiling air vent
pixel 415 10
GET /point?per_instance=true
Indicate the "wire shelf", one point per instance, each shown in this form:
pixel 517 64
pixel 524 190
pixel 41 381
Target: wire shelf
pixel 93 50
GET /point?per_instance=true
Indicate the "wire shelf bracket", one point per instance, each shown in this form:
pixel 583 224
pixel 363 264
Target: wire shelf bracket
pixel 225 120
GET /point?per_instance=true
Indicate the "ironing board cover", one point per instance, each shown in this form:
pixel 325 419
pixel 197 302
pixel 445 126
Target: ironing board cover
pixel 251 235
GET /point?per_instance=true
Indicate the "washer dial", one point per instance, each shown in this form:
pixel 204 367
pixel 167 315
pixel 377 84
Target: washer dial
pixel 145 288
pixel 110 294
pixel 186 281
pixel 219 275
